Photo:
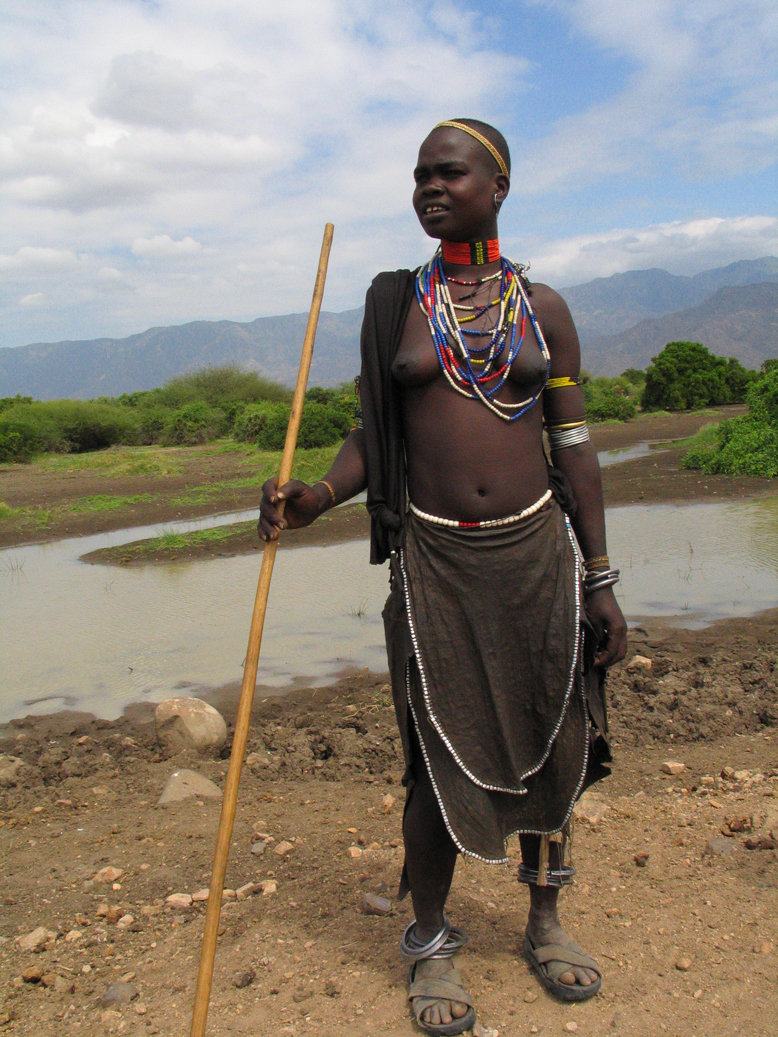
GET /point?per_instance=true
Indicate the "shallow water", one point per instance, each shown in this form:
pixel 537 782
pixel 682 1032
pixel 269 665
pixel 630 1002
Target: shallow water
pixel 625 453
pixel 96 637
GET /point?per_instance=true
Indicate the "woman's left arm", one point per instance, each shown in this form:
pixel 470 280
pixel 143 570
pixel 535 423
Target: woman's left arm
pixel 564 413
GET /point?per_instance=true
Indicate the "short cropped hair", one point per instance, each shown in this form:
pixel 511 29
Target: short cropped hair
pixel 492 135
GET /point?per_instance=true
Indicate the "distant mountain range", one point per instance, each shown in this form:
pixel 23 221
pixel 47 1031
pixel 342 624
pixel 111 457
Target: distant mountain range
pixel 623 321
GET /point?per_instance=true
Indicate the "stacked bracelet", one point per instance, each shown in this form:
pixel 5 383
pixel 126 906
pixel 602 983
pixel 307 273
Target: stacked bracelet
pixel 596 581
pixel 596 564
pixel 331 491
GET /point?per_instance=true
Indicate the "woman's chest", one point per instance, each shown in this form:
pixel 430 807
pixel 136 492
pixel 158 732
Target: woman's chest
pixel 417 363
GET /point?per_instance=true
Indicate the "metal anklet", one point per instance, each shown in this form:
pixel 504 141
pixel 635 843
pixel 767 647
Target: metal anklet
pixel 556 877
pixel 446 944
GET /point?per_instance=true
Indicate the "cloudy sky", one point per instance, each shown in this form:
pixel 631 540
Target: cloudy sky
pixel 171 160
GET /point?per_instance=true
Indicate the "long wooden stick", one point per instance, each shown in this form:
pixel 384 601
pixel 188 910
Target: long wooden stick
pixel 229 803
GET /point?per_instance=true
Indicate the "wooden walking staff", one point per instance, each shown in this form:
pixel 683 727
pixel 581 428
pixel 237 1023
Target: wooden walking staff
pixel 224 834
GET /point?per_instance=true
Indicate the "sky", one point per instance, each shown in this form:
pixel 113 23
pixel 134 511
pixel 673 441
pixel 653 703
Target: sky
pixel 163 161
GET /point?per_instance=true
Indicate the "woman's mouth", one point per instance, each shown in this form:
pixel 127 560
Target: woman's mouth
pixel 433 209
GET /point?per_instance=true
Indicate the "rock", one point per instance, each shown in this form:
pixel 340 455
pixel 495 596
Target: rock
pixel 741 775
pixel 200 896
pixel 119 994
pixel 591 807
pixel 258 848
pixel 374 905
pixel 184 784
pixel 301 995
pixel 283 848
pixel 73 935
pixel 48 979
pixel 140 1009
pixel 571 1027
pixel 611 912
pixel 10 766
pixel 683 964
pixel 718 847
pixel 108 874
pixel 764 948
pixel 330 989
pixel 244 978
pixel 639 664
pixel 531 997
pixel 736 825
pixel 229 894
pixel 179 901
pixel 268 887
pixel 64 986
pixel 641 859
pixel 479 1030
pixel 387 803
pixel 125 921
pixel 247 890
pixel 354 852
pixel 673 767
pixel 33 974
pixel 728 773
pixel 36 940
pixel 760 842
pixel 187 723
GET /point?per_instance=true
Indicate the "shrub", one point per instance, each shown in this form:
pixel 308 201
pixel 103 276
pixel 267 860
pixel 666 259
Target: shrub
pixel 6 402
pixel 634 376
pixel 265 424
pixel 65 426
pixel 609 399
pixel 251 426
pixel 194 423
pixel 686 376
pixel 746 445
pixel 218 387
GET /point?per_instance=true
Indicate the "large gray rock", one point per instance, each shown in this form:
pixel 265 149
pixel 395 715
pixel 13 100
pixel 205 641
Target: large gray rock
pixel 186 723
pixel 185 784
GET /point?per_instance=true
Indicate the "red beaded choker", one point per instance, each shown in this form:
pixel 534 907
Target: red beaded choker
pixel 471 253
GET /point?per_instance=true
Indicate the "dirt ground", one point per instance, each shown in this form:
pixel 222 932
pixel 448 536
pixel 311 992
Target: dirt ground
pixel 186 483
pixel 687 941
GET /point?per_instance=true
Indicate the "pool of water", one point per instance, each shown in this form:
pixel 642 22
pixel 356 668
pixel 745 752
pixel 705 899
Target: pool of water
pixel 96 637
pixel 625 453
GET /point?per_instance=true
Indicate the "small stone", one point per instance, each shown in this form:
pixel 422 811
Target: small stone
pixel 591 807
pixel 200 896
pixel 179 901
pixel 229 894
pixel 571 1027
pixel 330 989
pixel 188 723
pixel 125 921
pixel 244 978
pixel 283 848
pixel 73 935
pixel 531 997
pixel 673 767
pixel 33 974
pixel 741 775
pixel 48 979
pixel 719 847
pixel 110 912
pixel 258 848
pixel 109 874
pixel 36 940
pixel 764 948
pixel 64 986
pixel 639 664
pixel 185 784
pixel 479 1030
pixel 697 995
pixel 119 994
pixel 247 890
pixel 387 803
pixel 683 964
pixel 140 1008
pixel 611 912
pixel 352 831
pixel 268 887
pixel 641 859
pixel 10 766
pixel 375 905
pixel 301 995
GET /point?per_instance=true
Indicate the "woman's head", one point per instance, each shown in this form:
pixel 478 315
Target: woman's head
pixel 462 178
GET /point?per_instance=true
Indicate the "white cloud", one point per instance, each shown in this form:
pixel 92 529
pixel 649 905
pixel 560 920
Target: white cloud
pixel 162 246
pixel 33 300
pixel 680 247
pixel 30 258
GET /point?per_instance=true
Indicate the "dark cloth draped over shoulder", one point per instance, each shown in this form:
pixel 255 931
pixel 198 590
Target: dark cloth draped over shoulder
pixel 386 308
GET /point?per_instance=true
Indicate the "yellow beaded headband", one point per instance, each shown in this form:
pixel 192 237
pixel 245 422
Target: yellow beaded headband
pixel 481 140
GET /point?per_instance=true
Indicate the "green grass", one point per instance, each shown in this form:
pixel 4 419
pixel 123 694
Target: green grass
pixel 116 461
pixel 705 439
pixel 6 511
pixel 106 502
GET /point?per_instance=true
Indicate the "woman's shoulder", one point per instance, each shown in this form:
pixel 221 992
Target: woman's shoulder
pixel 391 280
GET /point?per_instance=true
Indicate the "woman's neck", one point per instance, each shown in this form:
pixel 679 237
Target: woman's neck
pixel 471 253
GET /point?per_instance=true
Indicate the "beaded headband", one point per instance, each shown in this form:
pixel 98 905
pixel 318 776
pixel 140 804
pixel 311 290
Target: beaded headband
pixel 481 140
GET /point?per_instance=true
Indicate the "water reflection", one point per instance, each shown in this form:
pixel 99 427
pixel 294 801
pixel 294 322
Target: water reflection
pixel 97 637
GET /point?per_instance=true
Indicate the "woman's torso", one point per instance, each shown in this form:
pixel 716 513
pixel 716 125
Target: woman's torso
pixel 463 461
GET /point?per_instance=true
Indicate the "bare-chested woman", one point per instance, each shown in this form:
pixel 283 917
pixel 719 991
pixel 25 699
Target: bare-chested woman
pixel 496 667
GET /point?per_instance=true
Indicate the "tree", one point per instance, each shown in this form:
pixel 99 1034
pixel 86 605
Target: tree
pixel 687 376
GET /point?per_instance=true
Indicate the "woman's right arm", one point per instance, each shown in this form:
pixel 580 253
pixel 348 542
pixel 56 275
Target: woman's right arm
pixel 347 477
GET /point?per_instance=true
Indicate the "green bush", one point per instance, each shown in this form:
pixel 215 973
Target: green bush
pixel 218 387
pixel 609 399
pixel 251 425
pixel 634 376
pixel 64 426
pixel 746 445
pixel 6 402
pixel 686 376
pixel 265 424
pixel 194 423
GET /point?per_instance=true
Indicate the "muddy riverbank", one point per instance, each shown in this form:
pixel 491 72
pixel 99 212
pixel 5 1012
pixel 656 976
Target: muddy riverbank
pixel 686 940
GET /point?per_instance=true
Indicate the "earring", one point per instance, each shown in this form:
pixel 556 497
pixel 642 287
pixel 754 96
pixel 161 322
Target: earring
pixel 496 205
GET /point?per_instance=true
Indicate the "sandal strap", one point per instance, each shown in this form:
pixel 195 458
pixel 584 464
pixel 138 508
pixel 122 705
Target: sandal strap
pixel 566 955
pixel 425 992
pixel 446 944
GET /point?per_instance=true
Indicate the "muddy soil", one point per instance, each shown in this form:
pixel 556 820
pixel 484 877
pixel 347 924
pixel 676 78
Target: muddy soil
pixel 686 941
pixel 185 494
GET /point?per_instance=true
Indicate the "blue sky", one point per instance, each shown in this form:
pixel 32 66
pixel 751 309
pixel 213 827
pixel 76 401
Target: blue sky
pixel 176 160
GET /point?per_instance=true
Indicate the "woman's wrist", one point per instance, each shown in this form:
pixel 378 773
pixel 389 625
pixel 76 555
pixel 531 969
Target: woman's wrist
pixel 326 494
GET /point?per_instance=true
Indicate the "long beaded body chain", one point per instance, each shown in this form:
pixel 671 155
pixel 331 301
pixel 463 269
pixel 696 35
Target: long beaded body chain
pixel 479 371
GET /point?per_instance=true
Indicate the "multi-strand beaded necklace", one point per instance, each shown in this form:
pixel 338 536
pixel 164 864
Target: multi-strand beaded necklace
pixel 479 371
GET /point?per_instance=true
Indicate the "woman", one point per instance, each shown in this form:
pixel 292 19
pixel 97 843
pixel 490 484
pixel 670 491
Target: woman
pixel 497 688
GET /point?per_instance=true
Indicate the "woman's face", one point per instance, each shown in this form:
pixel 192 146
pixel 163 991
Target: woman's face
pixel 455 187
